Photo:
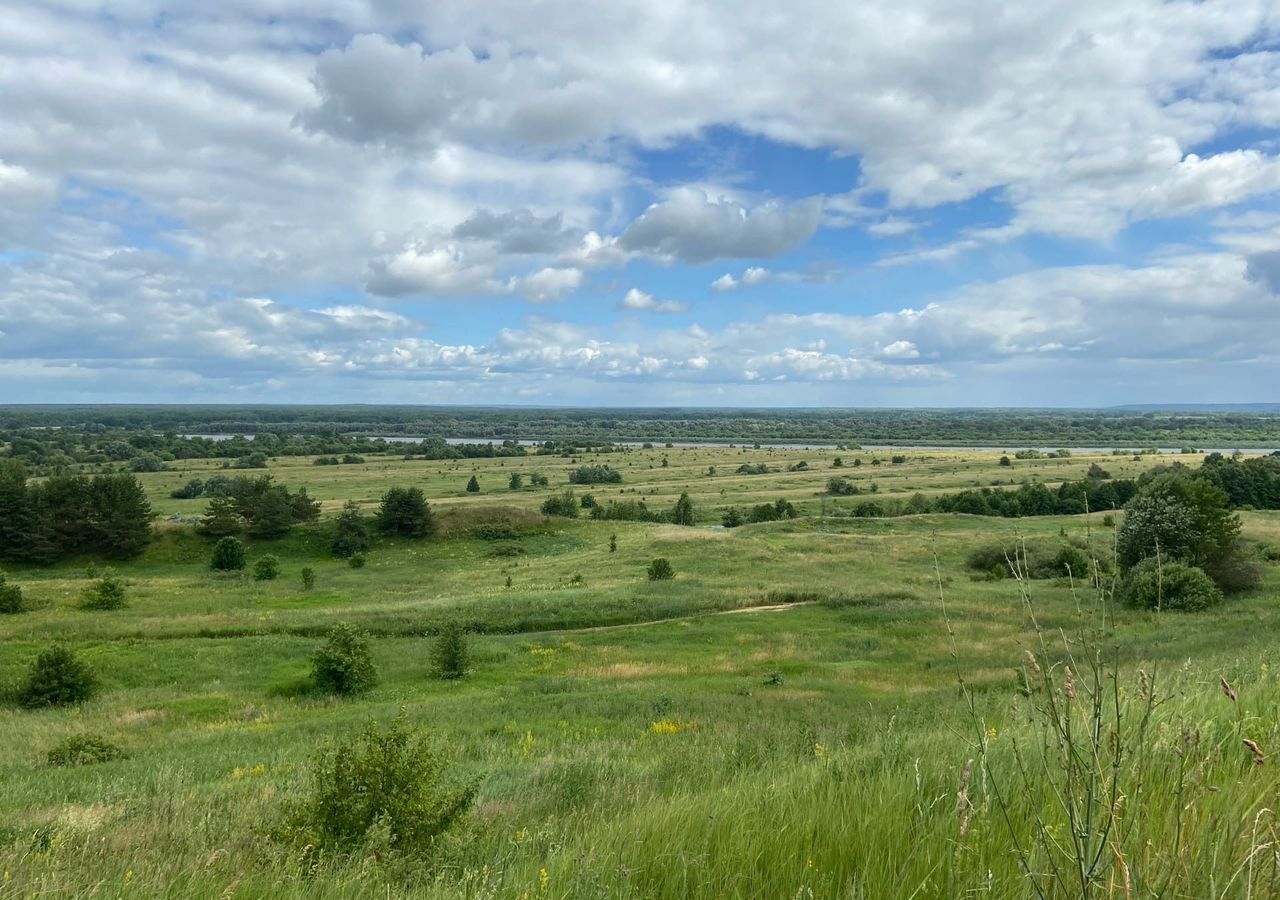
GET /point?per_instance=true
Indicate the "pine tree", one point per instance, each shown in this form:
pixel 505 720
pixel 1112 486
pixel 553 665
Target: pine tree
pixel 449 654
pixel 222 518
pixel 274 515
pixel 17 517
pixel 404 511
pixel 473 486
pixel 122 515
pixel 351 535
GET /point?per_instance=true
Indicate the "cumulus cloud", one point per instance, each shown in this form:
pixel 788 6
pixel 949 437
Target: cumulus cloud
pixel 637 300
pixel 694 226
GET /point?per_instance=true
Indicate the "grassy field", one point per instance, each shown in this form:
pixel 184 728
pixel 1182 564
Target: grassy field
pixel 783 719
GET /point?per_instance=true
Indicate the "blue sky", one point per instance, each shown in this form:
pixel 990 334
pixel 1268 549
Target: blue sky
pixel 658 203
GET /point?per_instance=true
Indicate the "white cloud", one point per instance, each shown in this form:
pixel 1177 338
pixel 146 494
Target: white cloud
pixel 637 300
pixel 694 226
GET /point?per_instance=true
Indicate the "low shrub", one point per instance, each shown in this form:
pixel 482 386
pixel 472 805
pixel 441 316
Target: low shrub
pixel 1035 559
pixel 357 561
pixel 661 570
pixel 308 575
pixel 494 531
pixel 106 593
pixel 1171 585
pixel 344 665
pixel 267 568
pixel 11 599
pixel 228 555
pixel 449 653
pixel 391 781
pixel 565 504
pixel 83 750
pixel 57 677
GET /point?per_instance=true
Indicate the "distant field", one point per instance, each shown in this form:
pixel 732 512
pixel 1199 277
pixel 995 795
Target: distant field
pixel 780 720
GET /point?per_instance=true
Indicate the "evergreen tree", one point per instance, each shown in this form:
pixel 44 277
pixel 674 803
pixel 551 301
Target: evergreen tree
pixel 57 678
pixel 682 512
pixel 350 536
pixel 106 593
pixel 11 599
pixel 304 508
pixel 473 486
pixel 516 481
pixel 732 518
pixel 274 515
pixel 122 515
pixel 404 511
pixel 221 518
pixel 449 654
pixel 17 516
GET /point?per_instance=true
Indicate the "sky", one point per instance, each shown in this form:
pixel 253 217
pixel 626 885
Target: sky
pixel 640 202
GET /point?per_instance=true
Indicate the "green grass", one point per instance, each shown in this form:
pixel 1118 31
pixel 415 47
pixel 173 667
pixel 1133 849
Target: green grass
pixel 814 732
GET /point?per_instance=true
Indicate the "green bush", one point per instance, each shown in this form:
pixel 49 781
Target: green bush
pixel 350 535
pixel 495 531
pixel 57 677
pixel 473 486
pixel 1173 585
pixel 660 570
pixel 393 781
pixel 357 562
pixel 11 599
pixel 595 474
pixel 1036 559
pixel 561 505
pixel 228 555
pixel 83 750
pixel 308 578
pixel 106 593
pixel 404 512
pixel 267 568
pixel 344 665
pixel 449 652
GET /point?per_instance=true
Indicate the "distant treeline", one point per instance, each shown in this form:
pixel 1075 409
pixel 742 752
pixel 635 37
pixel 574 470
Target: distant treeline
pixel 1248 482
pixel 1020 427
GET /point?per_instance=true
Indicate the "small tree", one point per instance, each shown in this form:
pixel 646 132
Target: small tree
pixel 561 505
pixel 11 599
pixel 267 568
pixel 351 535
pixel 660 570
pixel 1169 585
pixel 449 653
pixel 308 578
pixel 57 678
pixel 516 481
pixel 105 593
pixel 404 511
pixel 473 486
pixel 682 512
pixel 389 779
pixel 273 516
pixel 228 555
pixel 344 665
pixel 613 543
pixel 732 517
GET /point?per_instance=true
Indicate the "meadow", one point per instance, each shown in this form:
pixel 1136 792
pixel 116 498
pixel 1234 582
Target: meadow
pixel 790 716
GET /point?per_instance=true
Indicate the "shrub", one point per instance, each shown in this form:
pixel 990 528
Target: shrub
pixel 1234 574
pixel 495 531
pixel 842 487
pixel 599 474
pixel 449 652
pixel 189 491
pixel 473 486
pixel 58 677
pixel 267 568
pixel 1170 585
pixel 344 665
pixel 660 570
pixel 392 780
pixel 357 561
pixel 11 599
pixel 325 461
pixel 1036 559
pixel 308 578
pixel 255 460
pixel 515 482
pixel 732 518
pixel 83 750
pixel 105 593
pixel 682 512
pixel 228 555
pixel 147 462
pixel 561 505
pixel 352 459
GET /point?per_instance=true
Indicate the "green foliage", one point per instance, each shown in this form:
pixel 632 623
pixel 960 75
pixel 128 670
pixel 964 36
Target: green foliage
pixel 83 750
pixel 565 504
pixel 473 486
pixel 661 570
pixel 404 512
pixel 344 665
pixel 732 517
pixel 495 531
pixel 228 555
pixel 1177 517
pixel 350 534
pixel 682 512
pixel 391 780
pixel 272 515
pixel 308 576
pixel 266 568
pixel 57 677
pixel 222 517
pixel 613 543
pixel 357 562
pixel 1032 559
pixel 515 482
pixel 449 652
pixel 11 599
pixel 147 462
pixel 255 460
pixel 1171 585
pixel 595 474
pixel 754 469
pixel 839 486
pixel 106 593
pixel 189 491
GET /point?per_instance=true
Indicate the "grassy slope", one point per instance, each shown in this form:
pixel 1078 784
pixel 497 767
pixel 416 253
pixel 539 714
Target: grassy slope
pixel 840 780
